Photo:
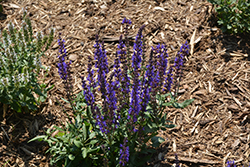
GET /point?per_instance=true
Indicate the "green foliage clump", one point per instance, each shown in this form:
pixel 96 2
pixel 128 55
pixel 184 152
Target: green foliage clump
pixel 233 15
pixel 20 66
pixel 73 145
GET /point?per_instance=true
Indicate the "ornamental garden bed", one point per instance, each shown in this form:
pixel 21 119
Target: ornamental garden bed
pixel 211 131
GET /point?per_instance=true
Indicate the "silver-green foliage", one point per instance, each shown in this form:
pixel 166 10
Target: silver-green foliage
pixel 20 66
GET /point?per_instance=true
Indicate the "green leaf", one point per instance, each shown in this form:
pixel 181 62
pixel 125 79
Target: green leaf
pixel 148 129
pixel 71 157
pixel 229 27
pixel 58 128
pixel 156 141
pixel 78 143
pixel 170 126
pixel 232 1
pixel 39 92
pixel 49 88
pixel 163 118
pixel 165 95
pixel 65 100
pixel 84 153
pixel 84 130
pixel 39 138
pixel 60 134
pixel 16 106
pixel 63 139
pixel 32 107
pixel 94 149
pixel 183 104
pixel 167 104
pixel 78 120
pixel 41 98
pixel 93 142
pixel 92 135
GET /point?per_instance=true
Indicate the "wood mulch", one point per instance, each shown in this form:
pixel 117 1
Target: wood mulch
pixel 213 129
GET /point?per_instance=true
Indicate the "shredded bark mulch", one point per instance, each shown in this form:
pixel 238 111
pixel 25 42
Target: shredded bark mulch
pixel 213 129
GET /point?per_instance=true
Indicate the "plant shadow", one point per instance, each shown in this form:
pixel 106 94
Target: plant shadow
pixel 235 46
pixel 17 129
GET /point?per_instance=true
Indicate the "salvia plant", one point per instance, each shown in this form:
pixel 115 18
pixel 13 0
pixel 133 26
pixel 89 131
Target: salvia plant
pixel 121 107
pixel 20 66
pixel 233 15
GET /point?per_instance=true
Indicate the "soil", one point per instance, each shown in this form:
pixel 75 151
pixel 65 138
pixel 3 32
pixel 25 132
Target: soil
pixel 213 129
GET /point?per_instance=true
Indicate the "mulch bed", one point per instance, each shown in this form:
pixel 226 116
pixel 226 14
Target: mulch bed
pixel 213 129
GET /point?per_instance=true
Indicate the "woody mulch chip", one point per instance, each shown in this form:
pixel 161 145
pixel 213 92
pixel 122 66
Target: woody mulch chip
pixel 213 129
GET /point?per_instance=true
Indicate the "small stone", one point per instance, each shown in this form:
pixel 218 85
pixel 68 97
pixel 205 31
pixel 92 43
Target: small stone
pixel 73 57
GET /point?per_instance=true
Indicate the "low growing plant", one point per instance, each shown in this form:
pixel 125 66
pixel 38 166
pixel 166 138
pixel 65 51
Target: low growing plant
pixel 233 15
pixel 121 107
pixel 20 66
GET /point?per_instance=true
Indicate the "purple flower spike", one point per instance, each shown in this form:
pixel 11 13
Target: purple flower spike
pixel 102 66
pixel 122 47
pixel 136 58
pixel 101 122
pixel 148 83
pixel 89 87
pixel 124 153
pixel 169 79
pixel 88 93
pixel 112 104
pixel 150 70
pixel 62 50
pixel 126 21
pixel 62 66
pixel 64 69
pixel 185 49
pixel 117 70
pixel 124 73
pixel 231 164
pixel 135 103
pixel 161 51
pixel 178 64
